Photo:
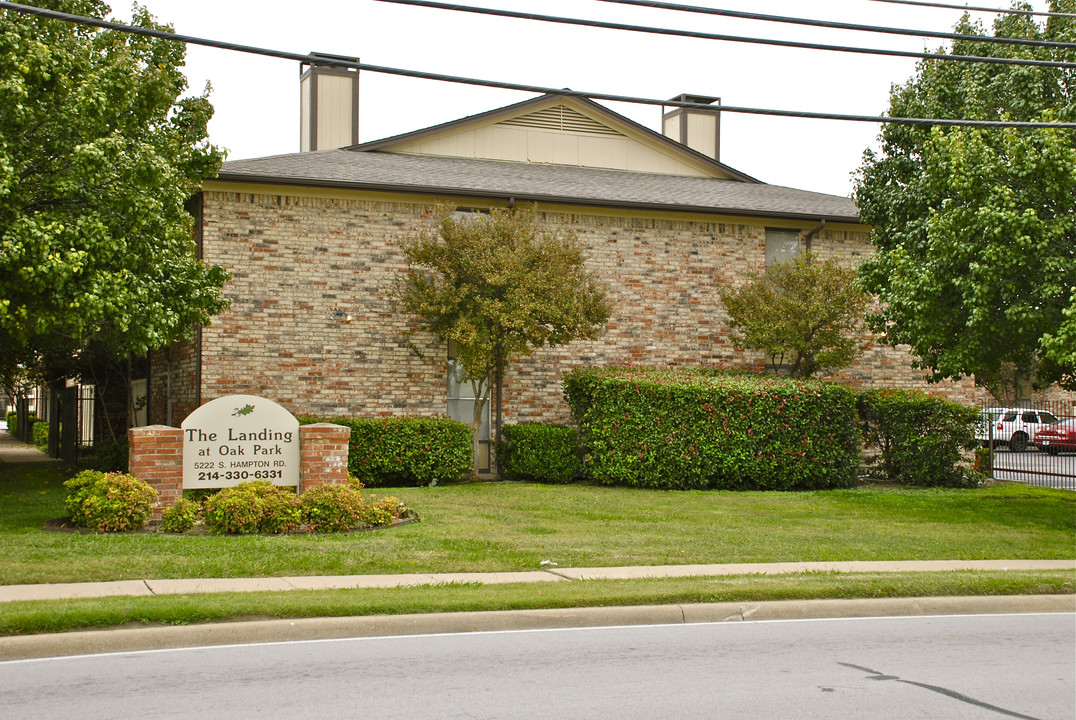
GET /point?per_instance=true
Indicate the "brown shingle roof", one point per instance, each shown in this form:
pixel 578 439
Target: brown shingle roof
pixel 526 182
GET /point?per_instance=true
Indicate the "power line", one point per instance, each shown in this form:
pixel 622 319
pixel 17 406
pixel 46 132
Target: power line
pixel 1009 11
pixel 837 25
pixel 727 38
pixel 315 59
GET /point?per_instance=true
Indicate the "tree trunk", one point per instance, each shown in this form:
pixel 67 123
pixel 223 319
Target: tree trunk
pixel 499 382
pixel 481 397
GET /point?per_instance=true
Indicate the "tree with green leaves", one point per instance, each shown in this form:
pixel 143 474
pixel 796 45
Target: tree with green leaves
pixel 499 286
pixel 975 228
pixel 804 314
pixel 98 156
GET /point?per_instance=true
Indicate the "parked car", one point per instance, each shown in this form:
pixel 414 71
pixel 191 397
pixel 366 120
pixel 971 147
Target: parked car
pixel 1057 437
pixel 1014 427
pixel 987 417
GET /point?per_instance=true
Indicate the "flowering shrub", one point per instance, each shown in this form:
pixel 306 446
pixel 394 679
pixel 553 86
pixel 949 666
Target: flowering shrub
pixel 112 502
pixel 381 512
pixel 181 517
pixel 253 507
pixel 332 508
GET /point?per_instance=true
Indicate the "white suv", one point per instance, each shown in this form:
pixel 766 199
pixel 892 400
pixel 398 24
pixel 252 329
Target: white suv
pixel 1013 426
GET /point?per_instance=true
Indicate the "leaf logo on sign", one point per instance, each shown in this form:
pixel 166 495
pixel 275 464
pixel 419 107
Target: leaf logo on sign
pixel 245 410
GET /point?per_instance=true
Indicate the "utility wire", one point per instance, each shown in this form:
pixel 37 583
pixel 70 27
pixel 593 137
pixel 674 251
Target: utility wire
pixel 727 38
pixel 710 36
pixel 334 61
pixel 1010 11
pixel 837 25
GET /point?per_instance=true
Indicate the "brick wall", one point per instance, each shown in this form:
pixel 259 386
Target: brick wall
pixel 173 383
pixel 297 260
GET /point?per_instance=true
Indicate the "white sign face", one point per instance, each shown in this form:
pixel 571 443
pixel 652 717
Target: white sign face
pixel 238 438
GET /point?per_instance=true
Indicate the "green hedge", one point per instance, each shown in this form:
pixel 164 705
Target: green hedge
pixel 106 455
pixel 702 429
pixel 386 452
pixel 40 432
pixel 537 452
pixel 13 420
pixel 922 438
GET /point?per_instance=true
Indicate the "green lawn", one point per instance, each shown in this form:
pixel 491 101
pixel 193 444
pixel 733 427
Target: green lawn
pixel 508 526
pixel 483 527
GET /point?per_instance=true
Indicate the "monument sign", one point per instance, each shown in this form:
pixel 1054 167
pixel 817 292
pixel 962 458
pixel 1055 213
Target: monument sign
pixel 237 438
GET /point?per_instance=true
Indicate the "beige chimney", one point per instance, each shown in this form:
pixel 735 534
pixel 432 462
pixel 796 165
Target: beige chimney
pixel 698 128
pixel 328 104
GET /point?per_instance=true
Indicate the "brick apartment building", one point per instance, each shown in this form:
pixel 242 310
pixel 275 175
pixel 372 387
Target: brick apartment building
pixel 312 241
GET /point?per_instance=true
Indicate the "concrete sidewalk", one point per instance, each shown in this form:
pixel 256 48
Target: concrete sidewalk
pixel 145 588
pixel 15 451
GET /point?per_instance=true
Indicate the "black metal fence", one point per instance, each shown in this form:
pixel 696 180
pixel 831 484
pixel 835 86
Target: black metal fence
pixel 73 409
pixel 1023 447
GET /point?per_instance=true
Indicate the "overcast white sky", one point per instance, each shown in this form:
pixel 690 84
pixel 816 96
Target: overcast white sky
pixel 257 98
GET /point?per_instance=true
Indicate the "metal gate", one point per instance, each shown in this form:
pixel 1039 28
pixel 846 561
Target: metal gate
pixel 1024 448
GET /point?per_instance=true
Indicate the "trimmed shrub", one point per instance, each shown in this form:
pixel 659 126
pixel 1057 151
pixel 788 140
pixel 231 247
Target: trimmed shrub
pixel 538 452
pixel 922 438
pixel 40 434
pixel 385 452
pixel 253 507
pixel 701 429
pixel 112 502
pixel 332 508
pixel 181 517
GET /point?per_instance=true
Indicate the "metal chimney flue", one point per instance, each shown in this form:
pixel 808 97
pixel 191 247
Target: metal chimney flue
pixel 328 103
pixel 698 128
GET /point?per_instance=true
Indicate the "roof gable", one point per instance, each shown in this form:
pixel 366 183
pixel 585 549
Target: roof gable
pixel 558 130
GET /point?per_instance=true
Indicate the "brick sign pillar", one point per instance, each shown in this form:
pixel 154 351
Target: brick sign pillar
pixel 156 456
pixel 323 448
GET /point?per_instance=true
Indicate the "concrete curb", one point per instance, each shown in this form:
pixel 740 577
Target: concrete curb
pixel 160 638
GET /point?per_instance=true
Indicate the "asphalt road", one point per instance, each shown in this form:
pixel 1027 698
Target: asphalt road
pixel 976 666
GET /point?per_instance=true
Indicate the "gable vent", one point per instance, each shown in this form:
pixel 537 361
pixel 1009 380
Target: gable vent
pixel 562 119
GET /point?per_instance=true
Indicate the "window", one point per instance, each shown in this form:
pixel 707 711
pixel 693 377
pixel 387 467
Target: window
pixel 461 405
pixel 781 245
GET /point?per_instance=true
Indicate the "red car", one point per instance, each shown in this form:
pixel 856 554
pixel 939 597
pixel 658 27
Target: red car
pixel 1055 438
